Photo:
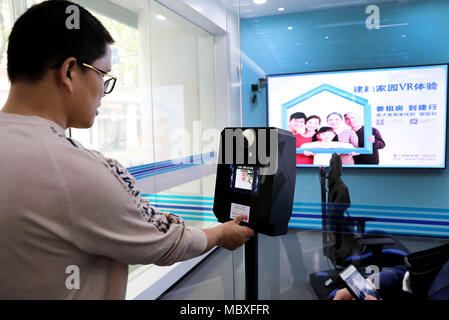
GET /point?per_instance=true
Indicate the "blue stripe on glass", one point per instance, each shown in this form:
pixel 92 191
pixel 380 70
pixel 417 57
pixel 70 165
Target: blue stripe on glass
pixel 309 218
pixel 359 206
pixel 380 213
pixel 199 219
pixel 181 207
pixel 375 226
pixel 193 213
pixel 156 201
pixel 204 156
pixel 176 197
pixel 391 220
pixel 144 171
pixel 160 171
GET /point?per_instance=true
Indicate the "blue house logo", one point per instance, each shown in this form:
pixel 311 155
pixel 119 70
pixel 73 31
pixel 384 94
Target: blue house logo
pixel 363 103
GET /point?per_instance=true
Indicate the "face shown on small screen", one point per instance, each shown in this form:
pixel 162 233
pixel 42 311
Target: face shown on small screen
pixel 244 179
pixel 244 174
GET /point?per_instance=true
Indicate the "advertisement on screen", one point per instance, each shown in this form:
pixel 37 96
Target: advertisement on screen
pixel 389 117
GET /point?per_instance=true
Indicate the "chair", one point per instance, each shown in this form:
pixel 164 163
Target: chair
pixel 345 241
pixel 425 267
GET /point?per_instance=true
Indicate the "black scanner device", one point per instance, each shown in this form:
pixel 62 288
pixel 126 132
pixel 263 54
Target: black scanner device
pixel 256 176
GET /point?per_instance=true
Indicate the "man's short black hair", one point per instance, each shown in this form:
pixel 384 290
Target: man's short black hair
pixel 298 115
pixel 40 40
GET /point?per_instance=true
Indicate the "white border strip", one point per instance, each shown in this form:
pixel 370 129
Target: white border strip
pixel 150 282
pixel 155 281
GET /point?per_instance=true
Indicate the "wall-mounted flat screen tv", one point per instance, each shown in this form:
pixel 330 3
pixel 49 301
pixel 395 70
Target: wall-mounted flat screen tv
pixel 384 117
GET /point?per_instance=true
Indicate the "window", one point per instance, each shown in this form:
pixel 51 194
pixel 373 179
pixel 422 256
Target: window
pixel 183 92
pixel 165 96
pixel 182 60
pixel 119 129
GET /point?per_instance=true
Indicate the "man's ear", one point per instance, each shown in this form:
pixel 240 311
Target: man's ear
pixel 65 74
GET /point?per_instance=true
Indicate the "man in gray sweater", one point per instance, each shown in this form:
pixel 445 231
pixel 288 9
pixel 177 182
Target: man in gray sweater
pixel 62 205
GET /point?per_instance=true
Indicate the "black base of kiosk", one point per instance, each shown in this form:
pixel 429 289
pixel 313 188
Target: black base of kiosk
pixel 251 270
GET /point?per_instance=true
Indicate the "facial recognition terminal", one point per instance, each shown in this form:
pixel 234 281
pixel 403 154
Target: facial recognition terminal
pixel 256 177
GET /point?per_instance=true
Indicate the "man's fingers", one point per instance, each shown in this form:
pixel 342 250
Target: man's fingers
pixel 249 232
pixel 238 219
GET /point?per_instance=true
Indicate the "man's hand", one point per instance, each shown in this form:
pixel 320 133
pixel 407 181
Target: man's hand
pixel 234 235
pixel 343 294
pixel 229 235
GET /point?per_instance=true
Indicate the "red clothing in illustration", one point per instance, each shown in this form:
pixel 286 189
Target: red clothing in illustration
pixel 300 158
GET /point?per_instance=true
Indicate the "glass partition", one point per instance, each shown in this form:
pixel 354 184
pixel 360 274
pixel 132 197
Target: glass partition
pixel 183 93
pixel 165 96
pixel 183 84
pixel 409 206
pixel 123 128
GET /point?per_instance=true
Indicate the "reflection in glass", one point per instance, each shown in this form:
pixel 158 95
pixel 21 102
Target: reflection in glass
pixel 183 84
pixel 117 131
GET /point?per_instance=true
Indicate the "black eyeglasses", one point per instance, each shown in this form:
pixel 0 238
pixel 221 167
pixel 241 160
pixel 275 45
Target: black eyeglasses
pixel 109 83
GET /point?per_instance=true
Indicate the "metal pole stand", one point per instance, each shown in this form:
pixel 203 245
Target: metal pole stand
pixel 251 270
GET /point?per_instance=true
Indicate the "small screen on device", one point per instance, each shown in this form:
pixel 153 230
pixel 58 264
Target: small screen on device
pixel 244 179
pixel 358 285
